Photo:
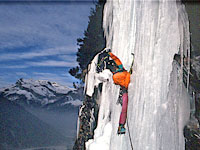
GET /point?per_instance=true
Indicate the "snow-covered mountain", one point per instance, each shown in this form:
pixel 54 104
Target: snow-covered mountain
pixel 41 93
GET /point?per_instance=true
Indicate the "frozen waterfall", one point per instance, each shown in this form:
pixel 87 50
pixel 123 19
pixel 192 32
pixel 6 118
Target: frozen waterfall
pixel 158 106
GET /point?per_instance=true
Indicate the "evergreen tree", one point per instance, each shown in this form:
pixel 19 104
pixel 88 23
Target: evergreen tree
pixel 92 42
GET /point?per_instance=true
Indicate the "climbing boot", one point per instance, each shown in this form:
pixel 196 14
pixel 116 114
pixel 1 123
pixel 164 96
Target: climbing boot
pixel 121 129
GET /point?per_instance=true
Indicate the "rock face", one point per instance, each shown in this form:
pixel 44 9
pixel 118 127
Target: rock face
pixel 87 123
pixel 44 94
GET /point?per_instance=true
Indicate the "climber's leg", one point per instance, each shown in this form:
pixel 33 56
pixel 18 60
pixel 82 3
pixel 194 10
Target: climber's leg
pixel 123 114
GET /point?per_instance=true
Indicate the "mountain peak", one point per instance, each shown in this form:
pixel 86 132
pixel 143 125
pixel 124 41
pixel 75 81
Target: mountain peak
pixel 41 93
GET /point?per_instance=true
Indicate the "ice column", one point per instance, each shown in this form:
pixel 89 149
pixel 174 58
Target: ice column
pixel 158 106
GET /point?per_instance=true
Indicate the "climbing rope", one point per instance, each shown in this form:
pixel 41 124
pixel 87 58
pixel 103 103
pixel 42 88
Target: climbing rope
pixel 130 71
pixel 129 135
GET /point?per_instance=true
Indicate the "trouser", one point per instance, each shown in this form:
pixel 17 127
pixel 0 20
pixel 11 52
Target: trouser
pixel 123 79
pixel 123 114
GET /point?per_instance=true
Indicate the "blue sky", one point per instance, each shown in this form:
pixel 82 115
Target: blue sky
pixel 38 41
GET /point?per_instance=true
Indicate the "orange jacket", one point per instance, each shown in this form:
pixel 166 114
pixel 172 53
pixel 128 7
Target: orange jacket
pixel 121 76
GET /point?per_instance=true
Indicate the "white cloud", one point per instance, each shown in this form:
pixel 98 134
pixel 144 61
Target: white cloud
pixel 41 25
pixel 4 84
pixel 21 74
pixel 46 30
pixel 67 57
pixel 48 63
pixel 7 79
pixel 63 80
pixel 40 53
pixel 43 74
pixel 52 63
pixel 50 75
pixel 14 66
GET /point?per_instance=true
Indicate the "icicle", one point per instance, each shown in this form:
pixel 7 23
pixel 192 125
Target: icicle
pixel 182 59
pixel 192 107
pixel 78 127
pixel 90 78
pixel 92 120
pixel 78 121
pixel 187 36
pixel 188 68
pixel 193 123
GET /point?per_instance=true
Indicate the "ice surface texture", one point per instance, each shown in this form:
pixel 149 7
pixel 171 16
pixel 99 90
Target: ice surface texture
pixel 158 106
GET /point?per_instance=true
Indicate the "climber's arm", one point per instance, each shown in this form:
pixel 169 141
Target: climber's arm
pixel 116 60
pixel 102 60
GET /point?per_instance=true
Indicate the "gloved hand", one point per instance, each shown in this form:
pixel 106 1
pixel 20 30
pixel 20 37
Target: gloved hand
pixel 103 57
pixel 106 50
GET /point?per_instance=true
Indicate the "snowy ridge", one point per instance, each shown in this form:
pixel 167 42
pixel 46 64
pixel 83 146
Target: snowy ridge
pixel 75 103
pixel 41 92
pixel 158 106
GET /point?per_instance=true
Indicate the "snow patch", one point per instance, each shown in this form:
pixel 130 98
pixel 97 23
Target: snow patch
pixel 73 102
pixel 101 142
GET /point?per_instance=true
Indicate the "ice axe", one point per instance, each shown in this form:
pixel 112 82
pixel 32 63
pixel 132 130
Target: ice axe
pixel 131 70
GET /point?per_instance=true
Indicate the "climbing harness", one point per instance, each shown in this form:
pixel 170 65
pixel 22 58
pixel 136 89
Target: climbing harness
pixel 119 100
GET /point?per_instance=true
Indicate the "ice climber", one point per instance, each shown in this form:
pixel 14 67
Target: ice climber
pixel 120 77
